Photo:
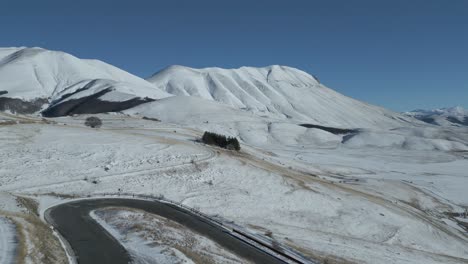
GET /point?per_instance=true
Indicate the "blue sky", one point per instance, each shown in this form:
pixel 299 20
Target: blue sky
pixel 400 54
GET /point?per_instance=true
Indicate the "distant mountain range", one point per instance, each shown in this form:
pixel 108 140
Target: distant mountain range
pixel 453 116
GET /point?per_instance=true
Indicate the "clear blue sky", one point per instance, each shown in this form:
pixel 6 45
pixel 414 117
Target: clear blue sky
pixel 401 54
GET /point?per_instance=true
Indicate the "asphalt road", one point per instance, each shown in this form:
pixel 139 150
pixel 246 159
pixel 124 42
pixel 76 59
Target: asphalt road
pixel 91 243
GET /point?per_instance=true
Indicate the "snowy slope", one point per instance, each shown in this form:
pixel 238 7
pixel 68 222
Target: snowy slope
pixel 275 91
pixel 453 116
pixel 31 73
pixel 208 115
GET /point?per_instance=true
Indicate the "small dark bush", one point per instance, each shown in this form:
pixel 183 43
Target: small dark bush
pixel 333 130
pixel 93 122
pixel 230 143
pixel 150 118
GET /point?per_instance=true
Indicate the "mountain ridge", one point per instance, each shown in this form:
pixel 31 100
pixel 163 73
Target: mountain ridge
pixel 276 91
pixel 455 116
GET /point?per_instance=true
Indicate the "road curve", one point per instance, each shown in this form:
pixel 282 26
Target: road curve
pixel 91 243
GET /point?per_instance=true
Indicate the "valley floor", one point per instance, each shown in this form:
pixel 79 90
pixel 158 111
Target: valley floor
pixel 344 205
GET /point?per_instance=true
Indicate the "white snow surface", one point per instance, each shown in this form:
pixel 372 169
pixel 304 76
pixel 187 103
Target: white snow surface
pixel 7 241
pixel 154 239
pixel 216 117
pixel 260 131
pixel 275 90
pixel 366 204
pixel 30 73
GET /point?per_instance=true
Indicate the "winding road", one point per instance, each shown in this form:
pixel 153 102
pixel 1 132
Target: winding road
pixel 91 243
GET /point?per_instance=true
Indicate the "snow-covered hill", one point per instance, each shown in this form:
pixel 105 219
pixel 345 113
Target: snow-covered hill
pixel 34 79
pixel 31 74
pixel 453 116
pixel 208 115
pixel 275 91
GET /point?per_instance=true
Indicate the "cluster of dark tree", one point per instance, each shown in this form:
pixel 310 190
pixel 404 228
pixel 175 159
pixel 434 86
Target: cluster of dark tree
pixel 230 143
pixel 93 122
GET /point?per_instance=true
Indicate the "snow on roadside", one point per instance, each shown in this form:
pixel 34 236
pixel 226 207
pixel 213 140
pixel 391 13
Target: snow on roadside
pixel 150 238
pixel 8 241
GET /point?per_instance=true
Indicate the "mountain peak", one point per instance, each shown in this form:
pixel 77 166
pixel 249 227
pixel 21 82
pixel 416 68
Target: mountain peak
pixel 274 90
pixel 273 72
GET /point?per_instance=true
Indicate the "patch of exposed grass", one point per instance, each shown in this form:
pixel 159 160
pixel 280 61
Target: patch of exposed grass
pixel 159 233
pixel 47 247
pixel 61 195
pixel 37 243
pixel 29 204
pixel 196 257
pixel 323 258
pixel 8 123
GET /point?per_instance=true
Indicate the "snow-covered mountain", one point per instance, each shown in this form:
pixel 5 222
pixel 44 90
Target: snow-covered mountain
pixel 33 77
pixel 60 84
pixel 275 91
pixel 453 116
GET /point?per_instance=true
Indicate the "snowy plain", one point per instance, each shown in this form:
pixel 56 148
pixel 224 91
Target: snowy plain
pixel 369 206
